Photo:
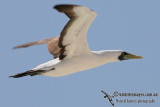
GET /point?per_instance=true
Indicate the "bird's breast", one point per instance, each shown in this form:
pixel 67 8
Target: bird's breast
pixel 73 65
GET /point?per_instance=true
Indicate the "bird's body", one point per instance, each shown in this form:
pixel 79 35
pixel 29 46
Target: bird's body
pixel 75 64
pixel 70 50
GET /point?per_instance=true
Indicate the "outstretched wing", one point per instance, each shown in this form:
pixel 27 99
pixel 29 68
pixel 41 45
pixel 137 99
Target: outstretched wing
pixel 73 39
pixel 52 45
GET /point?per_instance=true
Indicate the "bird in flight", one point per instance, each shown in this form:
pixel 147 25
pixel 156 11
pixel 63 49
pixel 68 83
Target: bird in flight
pixel 70 49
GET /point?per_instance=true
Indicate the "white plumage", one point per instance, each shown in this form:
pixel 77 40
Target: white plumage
pixel 71 50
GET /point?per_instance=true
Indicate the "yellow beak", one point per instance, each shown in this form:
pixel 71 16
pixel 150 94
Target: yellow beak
pixel 131 56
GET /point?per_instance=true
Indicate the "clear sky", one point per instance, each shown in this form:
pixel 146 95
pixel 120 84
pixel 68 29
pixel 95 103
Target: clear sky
pixel 129 25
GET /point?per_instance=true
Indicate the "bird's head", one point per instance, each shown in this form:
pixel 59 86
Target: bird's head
pixel 126 56
pixel 115 55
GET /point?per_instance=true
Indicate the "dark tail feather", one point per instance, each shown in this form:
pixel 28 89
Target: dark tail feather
pixel 30 73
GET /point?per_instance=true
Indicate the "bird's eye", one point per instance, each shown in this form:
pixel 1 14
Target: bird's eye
pixel 91 9
pixel 124 53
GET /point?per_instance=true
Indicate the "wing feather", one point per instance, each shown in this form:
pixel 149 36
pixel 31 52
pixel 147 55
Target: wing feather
pixel 52 45
pixel 73 40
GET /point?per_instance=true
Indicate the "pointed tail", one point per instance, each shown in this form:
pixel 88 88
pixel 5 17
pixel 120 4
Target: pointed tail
pixel 30 73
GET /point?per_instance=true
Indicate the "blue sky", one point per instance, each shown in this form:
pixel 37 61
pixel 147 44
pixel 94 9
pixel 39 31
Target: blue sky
pixel 129 25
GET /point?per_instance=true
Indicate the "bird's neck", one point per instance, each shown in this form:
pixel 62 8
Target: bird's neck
pixel 106 56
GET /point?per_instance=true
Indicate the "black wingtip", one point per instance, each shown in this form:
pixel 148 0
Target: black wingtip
pixel 62 5
pixel 59 7
pixel 55 7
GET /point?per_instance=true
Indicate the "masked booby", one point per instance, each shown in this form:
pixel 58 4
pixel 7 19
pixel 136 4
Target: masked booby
pixel 70 50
